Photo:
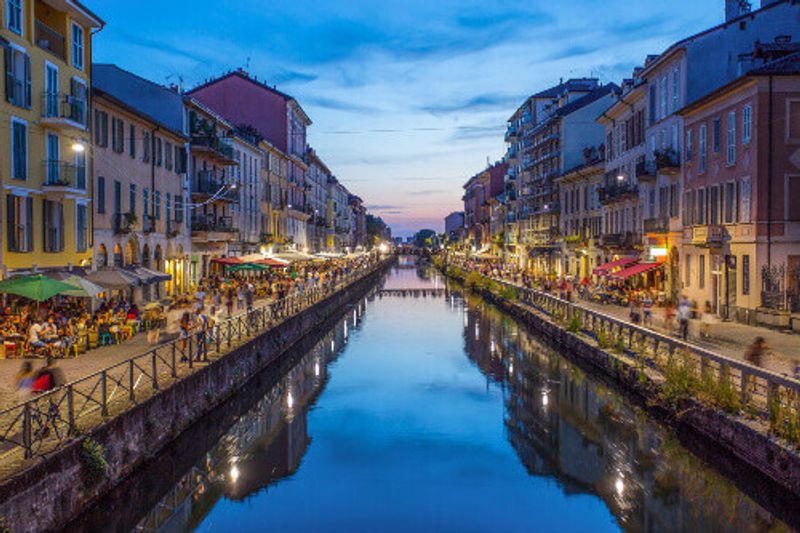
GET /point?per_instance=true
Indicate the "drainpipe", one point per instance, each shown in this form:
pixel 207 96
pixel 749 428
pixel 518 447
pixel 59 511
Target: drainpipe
pixel 769 177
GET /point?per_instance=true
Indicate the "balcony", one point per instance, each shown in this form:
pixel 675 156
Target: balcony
pixel 215 147
pixel 49 39
pixel 624 240
pixel 61 110
pixel 511 132
pixel 206 185
pixel 668 161
pixel 656 225
pixel 708 236
pixel 63 177
pixel 123 223
pixel 574 242
pixel 645 171
pixel 616 192
pixel 209 228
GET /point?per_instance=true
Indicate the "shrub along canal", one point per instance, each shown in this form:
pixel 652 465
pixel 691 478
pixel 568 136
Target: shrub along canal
pixel 431 411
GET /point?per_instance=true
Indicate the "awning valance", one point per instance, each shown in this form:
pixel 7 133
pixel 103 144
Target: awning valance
pixel 634 270
pixel 114 279
pixel 603 270
pixel 227 260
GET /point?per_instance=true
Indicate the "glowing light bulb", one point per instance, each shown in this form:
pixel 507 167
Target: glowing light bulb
pixel 234 473
pixel 620 486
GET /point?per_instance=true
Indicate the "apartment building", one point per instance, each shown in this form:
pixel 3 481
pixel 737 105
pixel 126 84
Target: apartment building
pixel 359 222
pixel 582 216
pixel 481 192
pixel 139 183
pixel 338 217
pixel 275 196
pixel 741 216
pixel 279 118
pixel 214 187
pixel 246 173
pixel 47 175
pixel 316 201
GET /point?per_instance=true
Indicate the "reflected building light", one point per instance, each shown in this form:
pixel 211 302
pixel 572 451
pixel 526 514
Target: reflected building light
pixel 492 347
pixel 234 474
pixel 466 318
pixel 511 369
pixel 619 485
pixel 345 330
pixel 333 345
pixel 316 369
pixel 289 400
pixel 545 399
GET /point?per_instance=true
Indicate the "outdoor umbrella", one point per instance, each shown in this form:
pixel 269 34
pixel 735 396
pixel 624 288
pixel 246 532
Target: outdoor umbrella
pixel 115 279
pixel 36 287
pixel 247 266
pixel 82 287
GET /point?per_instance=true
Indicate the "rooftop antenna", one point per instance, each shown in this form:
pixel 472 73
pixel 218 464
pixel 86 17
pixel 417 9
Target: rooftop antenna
pixel 248 64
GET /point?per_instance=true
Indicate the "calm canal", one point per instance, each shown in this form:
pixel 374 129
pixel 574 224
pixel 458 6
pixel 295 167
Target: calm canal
pixel 421 413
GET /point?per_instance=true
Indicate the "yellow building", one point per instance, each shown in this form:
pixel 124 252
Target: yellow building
pixel 275 196
pixel 45 167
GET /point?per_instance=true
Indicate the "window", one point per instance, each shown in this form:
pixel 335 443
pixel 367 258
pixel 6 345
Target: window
pixel 716 133
pixel 793 119
pixel 663 97
pixel 745 275
pixel 652 105
pixel 77 101
pixel 80 170
pixel 132 198
pixel 14 15
pixel 132 142
pixel 731 159
pixel 168 212
pixel 688 270
pixel 179 159
pixel 159 152
pixel 19 149
pixel 703 148
pixel 146 147
pixel 53 219
pixel 101 128
pixel 689 145
pixel 747 123
pixel 701 267
pixel 178 208
pixel 117 135
pixel 18 76
pixel 793 198
pixel 676 81
pixel 19 218
pixel 673 200
pixel 101 194
pixel 117 197
pixel 700 218
pixel 146 202
pixel 81 228
pixel 52 101
pixel 713 200
pixel 168 155
pixel 744 201
pixel 158 204
pixel 688 198
pixel 730 203
pixel 77 46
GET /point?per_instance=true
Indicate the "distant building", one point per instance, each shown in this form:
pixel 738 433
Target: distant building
pixel 454 226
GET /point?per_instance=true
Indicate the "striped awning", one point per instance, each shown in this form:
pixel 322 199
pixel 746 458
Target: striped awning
pixel 603 270
pixel 635 270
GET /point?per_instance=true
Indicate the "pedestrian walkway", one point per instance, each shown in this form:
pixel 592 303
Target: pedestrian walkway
pixel 91 361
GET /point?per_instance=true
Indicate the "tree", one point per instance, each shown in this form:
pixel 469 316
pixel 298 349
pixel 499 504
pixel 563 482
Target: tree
pixel 424 237
pixel 377 229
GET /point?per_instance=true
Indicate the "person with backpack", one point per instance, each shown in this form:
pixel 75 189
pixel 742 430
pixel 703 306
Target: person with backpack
pixel 47 378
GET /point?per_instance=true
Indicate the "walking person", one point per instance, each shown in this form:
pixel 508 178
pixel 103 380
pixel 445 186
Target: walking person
pixel 684 313
pixel 647 311
pixel 707 319
pixel 229 301
pixel 240 297
pixel 184 324
pixel 755 352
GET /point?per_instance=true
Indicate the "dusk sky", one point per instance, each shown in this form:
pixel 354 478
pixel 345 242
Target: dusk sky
pixel 408 98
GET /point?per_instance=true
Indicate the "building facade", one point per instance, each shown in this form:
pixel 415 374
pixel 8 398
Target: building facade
pixel 47 186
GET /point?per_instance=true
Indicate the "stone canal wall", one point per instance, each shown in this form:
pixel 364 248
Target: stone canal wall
pixel 741 449
pixel 49 494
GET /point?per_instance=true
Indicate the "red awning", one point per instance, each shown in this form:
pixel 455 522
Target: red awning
pixel 602 270
pixel 641 268
pixel 269 261
pixel 227 261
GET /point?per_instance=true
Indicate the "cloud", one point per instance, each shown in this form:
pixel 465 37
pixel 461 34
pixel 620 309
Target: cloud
pixel 483 102
pixel 289 76
pixel 381 207
pixel 340 105
pixel 426 192
pixel 573 51
pixel 161 46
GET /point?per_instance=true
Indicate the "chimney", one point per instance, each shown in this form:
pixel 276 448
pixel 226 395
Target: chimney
pixel 736 8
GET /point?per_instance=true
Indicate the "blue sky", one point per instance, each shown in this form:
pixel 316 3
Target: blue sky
pixel 408 98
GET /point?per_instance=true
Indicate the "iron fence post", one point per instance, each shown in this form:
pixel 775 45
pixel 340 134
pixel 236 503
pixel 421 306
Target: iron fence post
pixel 26 429
pixel 130 380
pixel 70 412
pixel 103 394
pixel 153 366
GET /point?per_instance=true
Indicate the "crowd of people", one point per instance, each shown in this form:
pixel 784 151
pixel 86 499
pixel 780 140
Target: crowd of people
pixel 65 327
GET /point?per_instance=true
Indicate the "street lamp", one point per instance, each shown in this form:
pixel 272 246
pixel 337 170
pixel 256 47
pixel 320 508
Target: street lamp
pixel 78 147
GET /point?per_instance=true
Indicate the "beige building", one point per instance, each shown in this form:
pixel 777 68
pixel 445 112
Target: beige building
pixel 582 216
pixel 139 182
pixel 274 196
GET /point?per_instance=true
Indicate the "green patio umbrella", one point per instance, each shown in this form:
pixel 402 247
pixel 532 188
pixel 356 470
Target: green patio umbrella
pixel 247 266
pixel 37 287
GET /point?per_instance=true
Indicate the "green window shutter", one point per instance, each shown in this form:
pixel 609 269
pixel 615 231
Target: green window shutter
pixel 61 231
pixel 9 74
pixel 27 81
pixel 29 223
pixel 12 244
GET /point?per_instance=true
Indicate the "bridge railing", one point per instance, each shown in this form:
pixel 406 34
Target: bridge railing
pixel 753 390
pixel 46 421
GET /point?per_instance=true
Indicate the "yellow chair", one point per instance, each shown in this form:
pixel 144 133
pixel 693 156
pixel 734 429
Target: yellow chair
pixel 93 339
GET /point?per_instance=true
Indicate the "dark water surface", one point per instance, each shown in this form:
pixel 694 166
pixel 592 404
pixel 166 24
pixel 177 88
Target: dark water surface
pixel 430 414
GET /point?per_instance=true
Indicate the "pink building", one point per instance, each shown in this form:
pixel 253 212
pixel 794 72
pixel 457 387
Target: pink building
pixel 243 100
pixel 741 182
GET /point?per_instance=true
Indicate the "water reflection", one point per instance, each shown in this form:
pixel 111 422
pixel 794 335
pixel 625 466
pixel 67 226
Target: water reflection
pixel 567 427
pixel 442 414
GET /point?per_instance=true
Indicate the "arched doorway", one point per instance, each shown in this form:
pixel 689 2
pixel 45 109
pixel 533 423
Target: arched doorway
pixel 118 258
pixel 158 258
pixel 146 255
pixel 131 252
pixel 102 256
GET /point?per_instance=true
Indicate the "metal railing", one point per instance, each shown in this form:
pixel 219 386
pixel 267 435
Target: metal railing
pixel 759 390
pixel 45 422
pixel 64 106
pixel 49 39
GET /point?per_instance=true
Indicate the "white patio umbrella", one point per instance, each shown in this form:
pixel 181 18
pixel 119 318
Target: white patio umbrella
pixel 83 287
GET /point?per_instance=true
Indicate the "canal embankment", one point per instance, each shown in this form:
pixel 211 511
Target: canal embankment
pixel 88 463
pixel 744 416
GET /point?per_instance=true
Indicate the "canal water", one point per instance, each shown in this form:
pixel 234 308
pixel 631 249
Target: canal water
pixel 429 411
